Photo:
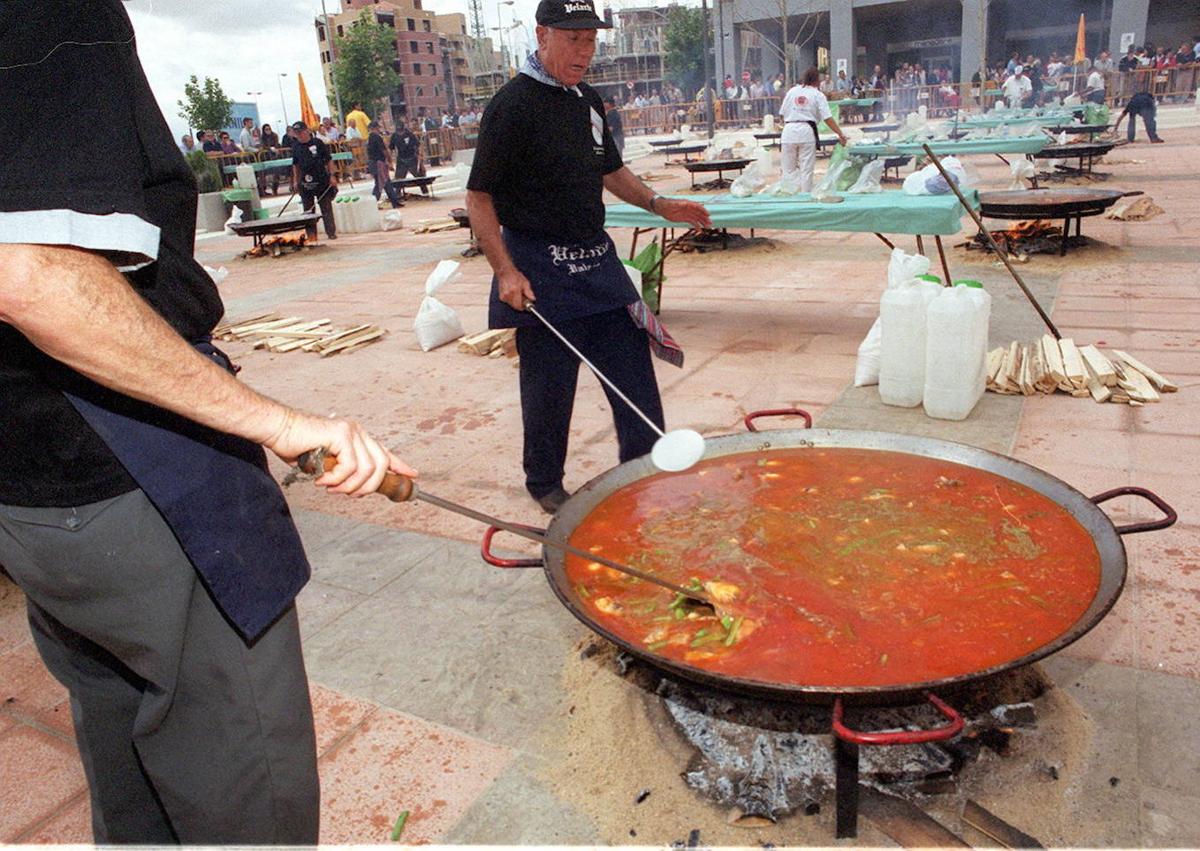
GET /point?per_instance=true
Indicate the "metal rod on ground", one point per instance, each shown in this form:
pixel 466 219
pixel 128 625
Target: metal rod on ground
pixel 991 242
pixel 285 205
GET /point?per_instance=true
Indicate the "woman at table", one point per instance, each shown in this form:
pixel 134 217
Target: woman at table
pixel 803 107
pixel 269 141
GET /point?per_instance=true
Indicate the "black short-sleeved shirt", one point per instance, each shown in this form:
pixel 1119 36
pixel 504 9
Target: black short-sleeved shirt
pixel 542 155
pixel 312 158
pixel 132 198
pixel 405 145
pixel 376 148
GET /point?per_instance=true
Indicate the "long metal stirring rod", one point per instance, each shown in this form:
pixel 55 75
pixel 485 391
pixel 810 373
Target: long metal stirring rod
pixel 529 306
pixel 399 488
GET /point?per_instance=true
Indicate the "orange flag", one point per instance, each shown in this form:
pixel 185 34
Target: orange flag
pixel 1080 48
pixel 307 114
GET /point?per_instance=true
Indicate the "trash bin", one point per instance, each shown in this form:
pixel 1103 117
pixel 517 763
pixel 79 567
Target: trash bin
pixel 239 198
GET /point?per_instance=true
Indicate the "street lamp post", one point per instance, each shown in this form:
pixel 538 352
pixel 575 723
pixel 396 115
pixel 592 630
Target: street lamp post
pixel 279 80
pixel 256 96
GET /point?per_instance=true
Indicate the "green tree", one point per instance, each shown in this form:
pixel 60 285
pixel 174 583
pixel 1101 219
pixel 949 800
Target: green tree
pixel 683 39
pixel 205 107
pixel 363 70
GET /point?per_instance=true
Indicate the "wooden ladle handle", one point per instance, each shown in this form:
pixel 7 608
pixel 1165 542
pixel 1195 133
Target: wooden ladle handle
pixel 394 486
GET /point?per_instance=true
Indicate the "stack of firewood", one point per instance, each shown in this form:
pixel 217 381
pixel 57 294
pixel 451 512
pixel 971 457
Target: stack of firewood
pixel 284 334
pixel 1048 365
pixel 495 343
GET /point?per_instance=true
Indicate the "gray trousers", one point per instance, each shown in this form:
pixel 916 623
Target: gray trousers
pixel 187 733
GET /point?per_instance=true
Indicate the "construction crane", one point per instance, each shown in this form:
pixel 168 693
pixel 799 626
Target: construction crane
pixel 478 29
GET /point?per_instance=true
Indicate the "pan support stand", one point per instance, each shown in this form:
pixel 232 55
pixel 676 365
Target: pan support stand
pixel 845 766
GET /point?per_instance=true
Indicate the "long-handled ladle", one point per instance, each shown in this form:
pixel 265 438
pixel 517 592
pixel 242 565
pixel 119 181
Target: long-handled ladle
pixel 674 450
pixel 399 488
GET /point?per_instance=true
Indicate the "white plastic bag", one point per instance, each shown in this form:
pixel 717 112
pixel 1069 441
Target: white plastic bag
pixel 828 185
pixel 392 220
pixel 218 274
pixel 901 269
pixel 869 180
pixel 435 324
pixel 1022 170
pixel 929 181
pixel 751 180
pixel 235 218
pixel 789 184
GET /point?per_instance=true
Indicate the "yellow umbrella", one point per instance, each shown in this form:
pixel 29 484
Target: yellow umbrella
pixel 307 114
pixel 1080 51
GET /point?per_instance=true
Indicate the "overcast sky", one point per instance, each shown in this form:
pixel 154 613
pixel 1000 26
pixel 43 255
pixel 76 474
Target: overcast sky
pixel 247 44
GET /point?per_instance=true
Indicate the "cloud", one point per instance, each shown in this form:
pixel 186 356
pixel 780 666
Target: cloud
pixel 244 45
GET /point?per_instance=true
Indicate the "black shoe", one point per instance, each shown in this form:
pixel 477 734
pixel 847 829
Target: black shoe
pixel 331 236
pixel 553 501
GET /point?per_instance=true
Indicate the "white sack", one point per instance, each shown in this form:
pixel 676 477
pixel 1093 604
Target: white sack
pixel 436 324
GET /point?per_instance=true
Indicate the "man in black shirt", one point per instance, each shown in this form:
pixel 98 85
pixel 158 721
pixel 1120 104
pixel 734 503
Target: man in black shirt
pixel 379 164
pixel 207 143
pixel 1141 104
pixel 544 156
pixel 157 557
pixel 407 146
pixel 312 177
pixel 616 125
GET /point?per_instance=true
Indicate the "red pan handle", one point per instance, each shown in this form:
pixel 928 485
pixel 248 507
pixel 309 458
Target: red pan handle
pixel 1149 525
pixel 901 737
pixel 485 549
pixel 777 412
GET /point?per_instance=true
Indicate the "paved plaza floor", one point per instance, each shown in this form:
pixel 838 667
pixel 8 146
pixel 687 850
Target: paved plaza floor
pixel 451 689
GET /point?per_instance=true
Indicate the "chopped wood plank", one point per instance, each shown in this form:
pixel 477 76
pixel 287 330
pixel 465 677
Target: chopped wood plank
pixel 317 345
pixel 1101 366
pixel 994 827
pixel 357 346
pixel 905 822
pixel 1027 388
pixel 1073 365
pixel 1138 386
pixel 1133 403
pixel 1053 356
pixel 347 342
pixel 1010 365
pixel 1098 390
pixel 224 327
pixel 1157 380
pixel 1079 394
pixel 483 342
pixel 995 360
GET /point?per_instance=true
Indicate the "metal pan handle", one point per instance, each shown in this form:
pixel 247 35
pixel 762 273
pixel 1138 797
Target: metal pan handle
pixel 485 549
pixel 1149 525
pixel 777 412
pixel 901 737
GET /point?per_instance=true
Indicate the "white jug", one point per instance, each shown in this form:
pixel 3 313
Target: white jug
pixel 902 321
pixel 956 350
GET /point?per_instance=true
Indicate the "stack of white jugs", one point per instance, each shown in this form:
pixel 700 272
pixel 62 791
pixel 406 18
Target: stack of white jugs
pixel 933 342
pixel 353 214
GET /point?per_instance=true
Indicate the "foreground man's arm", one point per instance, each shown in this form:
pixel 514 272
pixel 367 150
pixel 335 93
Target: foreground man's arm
pixel 78 309
pixel 629 188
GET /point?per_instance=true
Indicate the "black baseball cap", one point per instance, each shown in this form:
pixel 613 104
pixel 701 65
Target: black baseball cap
pixel 570 15
pixel 299 125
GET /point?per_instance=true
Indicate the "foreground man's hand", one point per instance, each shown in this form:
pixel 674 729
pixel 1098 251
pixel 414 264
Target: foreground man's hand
pixel 681 210
pixel 361 461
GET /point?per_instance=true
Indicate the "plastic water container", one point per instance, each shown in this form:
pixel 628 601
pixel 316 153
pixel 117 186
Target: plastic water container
pixel 956 350
pixel 902 321
pixel 246 179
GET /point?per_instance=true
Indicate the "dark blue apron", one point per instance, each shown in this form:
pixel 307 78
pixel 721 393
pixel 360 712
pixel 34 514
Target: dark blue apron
pixel 570 279
pixel 215 492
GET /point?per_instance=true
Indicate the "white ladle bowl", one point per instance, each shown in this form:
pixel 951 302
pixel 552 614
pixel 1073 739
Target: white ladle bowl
pixel 677 450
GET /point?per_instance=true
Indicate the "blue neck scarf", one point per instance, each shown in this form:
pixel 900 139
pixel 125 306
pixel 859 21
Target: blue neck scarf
pixel 533 67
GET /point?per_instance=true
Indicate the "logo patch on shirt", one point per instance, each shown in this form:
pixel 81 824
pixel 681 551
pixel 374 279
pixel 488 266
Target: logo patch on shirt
pixel 597 127
pixel 801 100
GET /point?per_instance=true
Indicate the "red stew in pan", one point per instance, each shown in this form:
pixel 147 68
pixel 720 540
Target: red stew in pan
pixel 836 566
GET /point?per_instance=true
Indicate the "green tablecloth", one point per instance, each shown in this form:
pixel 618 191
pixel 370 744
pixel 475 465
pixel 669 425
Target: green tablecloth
pixel 957 147
pixel 855 102
pixel 880 212
pixel 284 162
pixel 1008 119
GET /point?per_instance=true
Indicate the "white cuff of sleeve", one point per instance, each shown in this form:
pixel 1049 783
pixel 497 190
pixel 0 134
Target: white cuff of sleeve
pixel 130 240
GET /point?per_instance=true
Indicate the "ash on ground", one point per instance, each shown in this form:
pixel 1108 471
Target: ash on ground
pixel 768 759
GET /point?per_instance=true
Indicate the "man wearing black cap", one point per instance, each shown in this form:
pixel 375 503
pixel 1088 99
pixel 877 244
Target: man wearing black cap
pixel 544 156
pixel 312 177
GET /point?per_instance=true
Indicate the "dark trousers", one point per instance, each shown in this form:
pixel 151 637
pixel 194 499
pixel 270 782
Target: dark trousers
pixel 406 167
pixel 379 171
pixel 1149 118
pixel 324 197
pixel 187 733
pixel 549 374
